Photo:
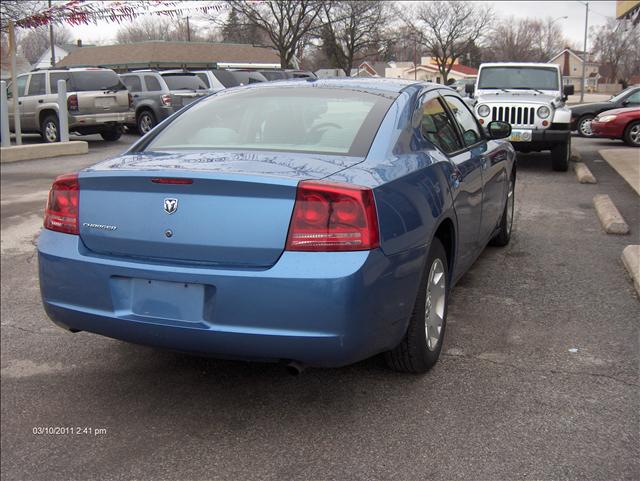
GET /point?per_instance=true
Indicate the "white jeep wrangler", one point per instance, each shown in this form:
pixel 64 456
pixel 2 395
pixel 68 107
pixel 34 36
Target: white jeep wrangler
pixel 530 97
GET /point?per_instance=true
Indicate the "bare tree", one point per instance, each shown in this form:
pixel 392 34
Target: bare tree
pixel 157 28
pixel 35 42
pixel 449 29
pixel 351 28
pixel 238 29
pixel 16 10
pixel 285 22
pixel 523 40
pixel 615 45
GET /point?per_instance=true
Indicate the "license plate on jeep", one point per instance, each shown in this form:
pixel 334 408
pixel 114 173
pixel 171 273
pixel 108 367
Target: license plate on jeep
pixel 105 102
pixel 518 135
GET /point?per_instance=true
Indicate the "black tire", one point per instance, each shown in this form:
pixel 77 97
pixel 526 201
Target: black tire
pixel 413 355
pixel 584 130
pixel 145 122
pixel 632 134
pixel 560 155
pixel 50 129
pixel 112 135
pixel 503 236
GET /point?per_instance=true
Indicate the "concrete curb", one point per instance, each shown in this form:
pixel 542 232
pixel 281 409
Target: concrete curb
pixel 583 174
pixel 631 260
pixel 575 156
pixel 17 153
pixel 610 218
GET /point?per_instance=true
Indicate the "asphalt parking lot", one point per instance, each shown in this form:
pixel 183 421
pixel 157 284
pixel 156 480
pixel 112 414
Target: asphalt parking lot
pixel 538 378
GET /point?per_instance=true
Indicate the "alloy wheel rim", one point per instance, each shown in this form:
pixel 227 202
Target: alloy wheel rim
pixel 585 127
pixel 435 303
pixel 51 132
pixel 634 134
pixel 145 123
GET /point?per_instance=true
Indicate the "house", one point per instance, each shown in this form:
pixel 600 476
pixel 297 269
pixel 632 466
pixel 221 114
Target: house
pixel 378 69
pixel 570 62
pixel 61 51
pixel 428 71
pixel 159 54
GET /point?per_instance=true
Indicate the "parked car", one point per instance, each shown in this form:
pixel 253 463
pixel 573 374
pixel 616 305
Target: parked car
pixel 531 98
pixel 461 85
pixel 246 77
pixel 97 103
pixel 312 223
pixel 583 114
pixel 275 74
pixel 226 78
pixel 212 82
pixel 301 74
pixel 157 95
pixel 623 124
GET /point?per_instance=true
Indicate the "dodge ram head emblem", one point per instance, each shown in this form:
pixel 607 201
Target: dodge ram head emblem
pixel 170 205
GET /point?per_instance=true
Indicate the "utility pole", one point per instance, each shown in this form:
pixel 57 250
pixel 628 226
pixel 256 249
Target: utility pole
pixel 584 53
pixel 188 31
pixel 53 47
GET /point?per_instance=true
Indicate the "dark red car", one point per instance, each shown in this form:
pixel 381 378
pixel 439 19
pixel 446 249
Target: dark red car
pixel 621 124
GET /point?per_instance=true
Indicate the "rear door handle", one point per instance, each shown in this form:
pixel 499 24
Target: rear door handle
pixel 40 101
pixel 19 103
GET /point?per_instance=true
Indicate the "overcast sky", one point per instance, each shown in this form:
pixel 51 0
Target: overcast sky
pixel 573 26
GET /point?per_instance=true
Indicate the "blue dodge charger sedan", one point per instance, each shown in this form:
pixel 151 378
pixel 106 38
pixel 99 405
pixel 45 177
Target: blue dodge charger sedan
pixel 314 222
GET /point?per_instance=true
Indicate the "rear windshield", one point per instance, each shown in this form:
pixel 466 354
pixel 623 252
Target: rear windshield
pixel 203 76
pixel 183 82
pixel 226 78
pixel 274 75
pixel 318 120
pixel 518 78
pixel 96 80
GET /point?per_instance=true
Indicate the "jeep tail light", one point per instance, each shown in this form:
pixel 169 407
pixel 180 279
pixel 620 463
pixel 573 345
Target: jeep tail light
pixel 72 103
pixel 166 100
pixel 331 216
pixel 61 213
pixel 130 100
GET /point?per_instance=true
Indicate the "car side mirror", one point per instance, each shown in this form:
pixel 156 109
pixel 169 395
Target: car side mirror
pixel 626 102
pixel 469 88
pixel 568 90
pixel 498 130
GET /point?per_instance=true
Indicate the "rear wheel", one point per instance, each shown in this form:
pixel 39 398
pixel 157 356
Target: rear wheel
pixel 584 126
pixel 503 237
pixel 112 135
pixel 632 134
pixel 146 122
pixel 560 155
pixel 50 129
pixel 420 348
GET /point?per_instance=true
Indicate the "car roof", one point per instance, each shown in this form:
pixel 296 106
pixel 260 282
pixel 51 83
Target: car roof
pixel 356 83
pixel 519 64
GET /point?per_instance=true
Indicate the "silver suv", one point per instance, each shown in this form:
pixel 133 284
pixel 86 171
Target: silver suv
pixel 157 95
pixel 97 103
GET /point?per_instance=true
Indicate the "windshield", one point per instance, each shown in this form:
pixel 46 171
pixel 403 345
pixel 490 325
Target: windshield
pixel 622 94
pixel 528 78
pixel 183 82
pixel 90 80
pixel 330 121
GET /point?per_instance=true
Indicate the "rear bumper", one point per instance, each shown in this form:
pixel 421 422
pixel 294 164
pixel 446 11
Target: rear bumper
pixel 322 309
pixel 100 120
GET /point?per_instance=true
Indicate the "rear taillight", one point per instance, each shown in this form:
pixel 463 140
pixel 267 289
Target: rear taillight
pixel 61 213
pixel 72 102
pixel 130 100
pixel 333 217
pixel 166 100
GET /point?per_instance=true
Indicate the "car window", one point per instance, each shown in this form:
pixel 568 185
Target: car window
pixel 132 82
pixel 152 83
pixel 37 84
pixel 183 82
pixel 438 128
pixel 471 133
pixel 621 95
pixel 53 81
pixel 634 98
pixel 203 76
pixel 92 80
pixel 21 84
pixel 317 120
